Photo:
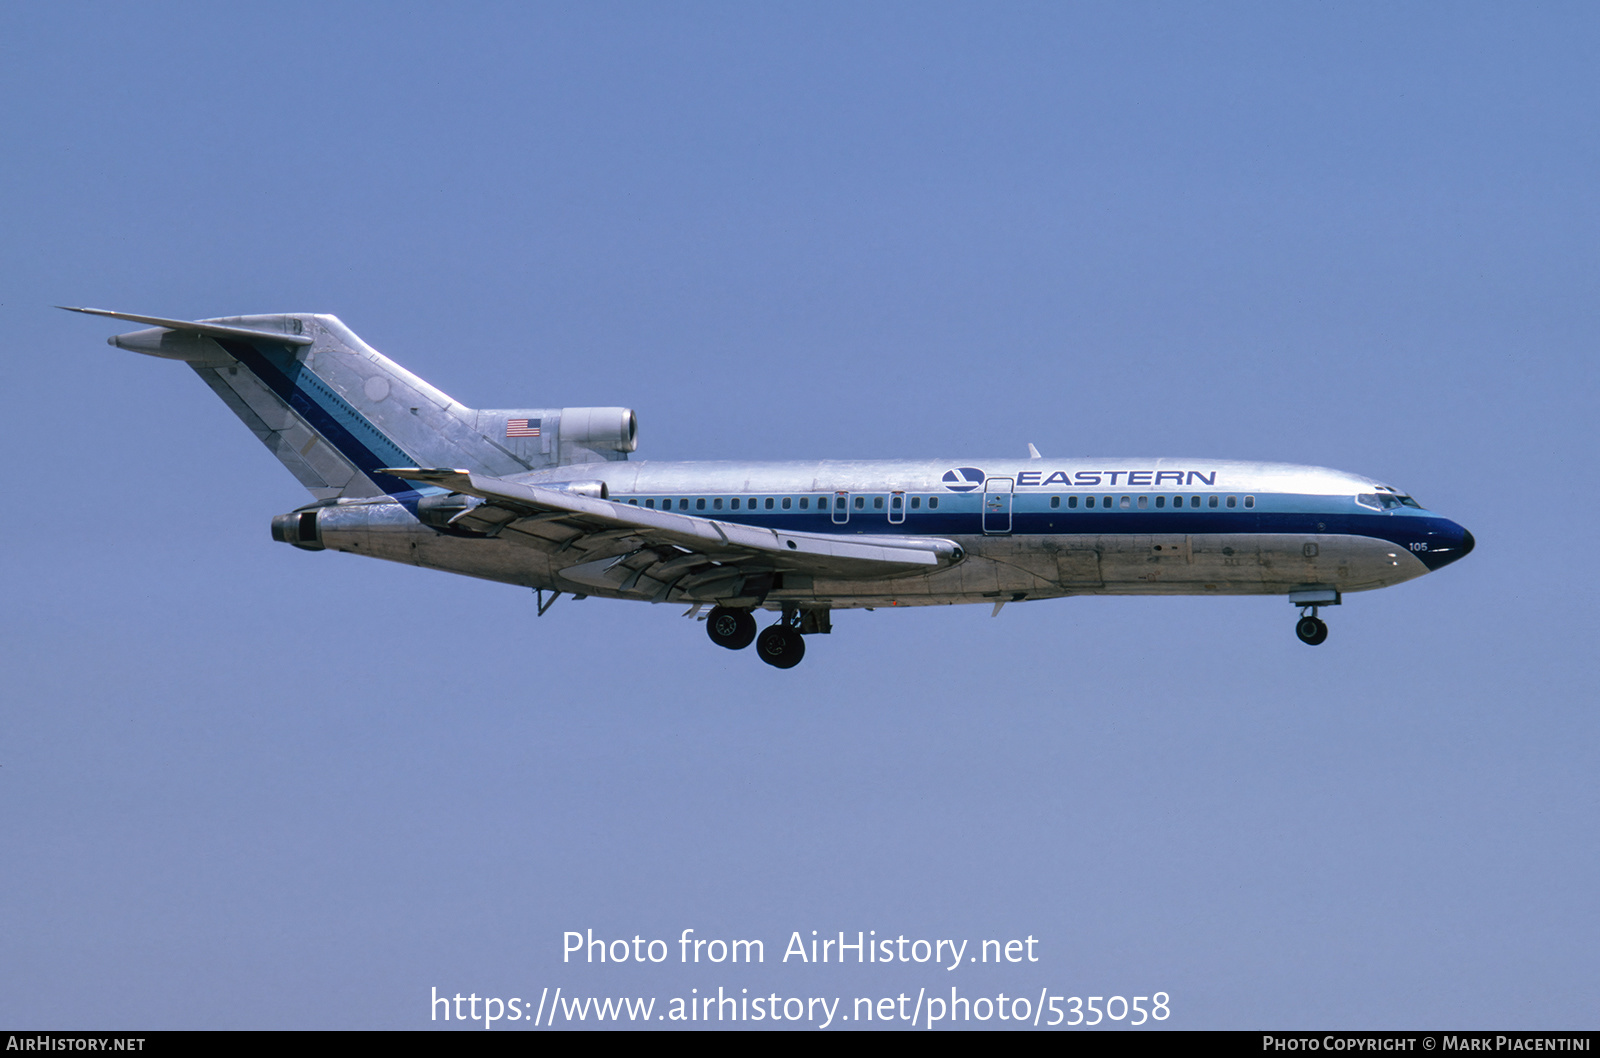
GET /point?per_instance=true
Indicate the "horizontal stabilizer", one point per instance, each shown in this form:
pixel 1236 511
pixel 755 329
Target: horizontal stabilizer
pixel 216 330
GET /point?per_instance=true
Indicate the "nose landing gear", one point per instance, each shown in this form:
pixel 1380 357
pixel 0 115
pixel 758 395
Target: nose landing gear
pixel 1310 628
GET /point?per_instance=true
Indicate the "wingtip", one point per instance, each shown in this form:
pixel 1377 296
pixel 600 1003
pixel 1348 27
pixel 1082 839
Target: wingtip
pixel 111 313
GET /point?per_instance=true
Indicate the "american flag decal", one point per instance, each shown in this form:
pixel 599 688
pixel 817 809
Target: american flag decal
pixel 522 427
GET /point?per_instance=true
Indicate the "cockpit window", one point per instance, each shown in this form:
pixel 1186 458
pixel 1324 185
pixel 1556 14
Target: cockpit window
pixel 1386 501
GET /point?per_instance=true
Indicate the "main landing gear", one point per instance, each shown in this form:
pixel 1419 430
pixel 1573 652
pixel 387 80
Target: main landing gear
pixel 780 645
pixel 734 629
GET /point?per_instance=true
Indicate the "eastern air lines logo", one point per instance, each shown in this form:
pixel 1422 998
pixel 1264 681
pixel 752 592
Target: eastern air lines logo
pixel 963 479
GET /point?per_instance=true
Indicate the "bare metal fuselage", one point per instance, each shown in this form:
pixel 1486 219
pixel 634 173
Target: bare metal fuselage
pixel 1303 529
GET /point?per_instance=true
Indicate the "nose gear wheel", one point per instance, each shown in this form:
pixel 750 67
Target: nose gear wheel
pixel 1311 630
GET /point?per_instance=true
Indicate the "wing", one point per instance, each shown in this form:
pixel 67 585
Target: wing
pixel 621 547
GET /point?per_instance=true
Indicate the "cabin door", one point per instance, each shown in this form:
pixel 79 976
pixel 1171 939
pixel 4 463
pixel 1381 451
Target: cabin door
pixel 997 505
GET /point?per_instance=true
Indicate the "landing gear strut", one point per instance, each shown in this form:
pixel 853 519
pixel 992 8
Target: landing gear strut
pixel 734 629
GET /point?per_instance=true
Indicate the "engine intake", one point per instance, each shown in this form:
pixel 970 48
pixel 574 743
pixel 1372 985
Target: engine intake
pixel 600 429
pixel 593 489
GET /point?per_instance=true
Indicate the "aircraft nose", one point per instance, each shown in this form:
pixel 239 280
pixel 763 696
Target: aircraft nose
pixel 1451 543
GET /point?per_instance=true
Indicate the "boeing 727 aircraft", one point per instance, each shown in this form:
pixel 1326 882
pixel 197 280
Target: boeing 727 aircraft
pixel 547 498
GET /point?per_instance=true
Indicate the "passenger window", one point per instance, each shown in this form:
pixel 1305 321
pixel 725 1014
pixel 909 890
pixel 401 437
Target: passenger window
pixel 1249 501
pixel 933 502
pixel 1144 501
pixel 861 503
pixel 1055 501
pixel 634 502
pixel 785 503
pixel 894 503
pixel 1072 501
pixel 683 504
pixel 769 503
pixel 804 501
pixel 877 503
pixel 650 504
pixel 1161 501
pixel 735 503
pixel 717 503
pixel 1213 502
pixel 700 504
pixel 1194 501
pixel 752 503
pixel 1125 503
pixel 1233 501
pixel 916 502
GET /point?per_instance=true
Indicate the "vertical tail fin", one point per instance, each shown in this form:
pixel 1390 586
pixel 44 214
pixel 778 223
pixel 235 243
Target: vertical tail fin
pixel 330 407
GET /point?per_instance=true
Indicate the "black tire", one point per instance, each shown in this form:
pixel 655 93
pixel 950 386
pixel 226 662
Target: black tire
pixel 734 629
pixel 1311 630
pixel 781 647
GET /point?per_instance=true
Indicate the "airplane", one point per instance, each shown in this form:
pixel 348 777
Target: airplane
pixel 547 498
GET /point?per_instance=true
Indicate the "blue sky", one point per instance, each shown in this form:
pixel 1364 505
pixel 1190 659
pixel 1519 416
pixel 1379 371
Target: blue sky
pixel 245 786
